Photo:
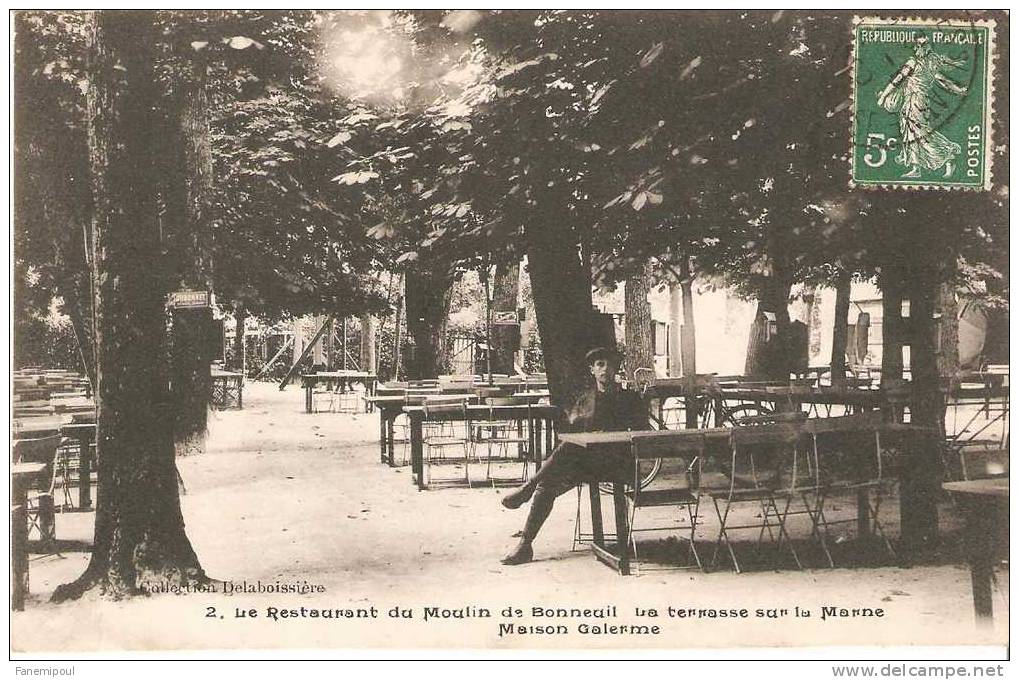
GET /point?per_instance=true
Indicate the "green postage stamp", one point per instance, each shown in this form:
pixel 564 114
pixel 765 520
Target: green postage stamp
pixel 922 103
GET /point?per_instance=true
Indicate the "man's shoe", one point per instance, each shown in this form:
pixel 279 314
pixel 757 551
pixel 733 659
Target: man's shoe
pixel 517 498
pixel 523 554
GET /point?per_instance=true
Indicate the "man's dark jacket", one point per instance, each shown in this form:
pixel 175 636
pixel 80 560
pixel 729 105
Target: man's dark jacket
pixel 621 410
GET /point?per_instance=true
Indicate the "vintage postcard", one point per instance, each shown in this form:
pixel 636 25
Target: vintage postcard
pixel 503 333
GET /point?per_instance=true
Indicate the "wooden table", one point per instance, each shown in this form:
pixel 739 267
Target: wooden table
pixel 22 475
pixel 343 380
pixel 985 505
pixel 511 387
pixel 533 397
pixel 390 390
pixel 506 389
pixel 78 405
pixel 602 443
pixel 390 408
pixel 725 396
pixel 227 390
pixel 538 418
pixel 36 427
pixel 85 435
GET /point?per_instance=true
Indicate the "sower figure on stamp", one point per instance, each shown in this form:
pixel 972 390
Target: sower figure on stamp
pixel 910 93
pixel 605 407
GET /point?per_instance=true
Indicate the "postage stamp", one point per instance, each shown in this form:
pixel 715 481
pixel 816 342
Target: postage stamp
pixel 922 103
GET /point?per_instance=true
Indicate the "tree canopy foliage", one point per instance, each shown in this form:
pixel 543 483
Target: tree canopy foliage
pixel 347 143
pixel 720 136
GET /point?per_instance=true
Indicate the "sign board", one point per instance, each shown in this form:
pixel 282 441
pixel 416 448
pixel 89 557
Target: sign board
pixel 505 318
pixel 182 299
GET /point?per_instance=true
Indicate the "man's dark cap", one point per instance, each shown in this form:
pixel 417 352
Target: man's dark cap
pixel 602 353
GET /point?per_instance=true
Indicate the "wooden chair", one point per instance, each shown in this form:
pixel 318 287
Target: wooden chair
pixel 688 452
pixel 762 464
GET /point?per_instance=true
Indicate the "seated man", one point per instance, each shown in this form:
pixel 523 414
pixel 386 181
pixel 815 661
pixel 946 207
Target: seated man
pixel 606 407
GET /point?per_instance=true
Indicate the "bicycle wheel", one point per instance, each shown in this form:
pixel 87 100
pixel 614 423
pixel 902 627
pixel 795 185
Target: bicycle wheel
pixel 649 468
pixel 732 416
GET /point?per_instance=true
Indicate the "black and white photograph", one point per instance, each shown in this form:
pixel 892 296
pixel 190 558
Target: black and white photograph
pixel 531 333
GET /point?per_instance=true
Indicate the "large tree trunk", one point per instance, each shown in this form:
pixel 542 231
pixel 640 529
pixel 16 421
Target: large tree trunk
pixel 328 345
pixel 920 485
pixel 948 331
pixel 812 314
pixel 562 305
pixel 891 327
pixel 688 334
pixel 688 338
pixel 639 325
pixel 505 337
pixel 771 355
pixel 240 319
pixel 398 327
pixel 368 359
pixel 996 347
pixel 840 331
pixel 190 356
pixel 428 295
pixel 675 329
pixel 318 352
pixel 771 358
pixel 139 530
pixel 190 347
pixel 892 338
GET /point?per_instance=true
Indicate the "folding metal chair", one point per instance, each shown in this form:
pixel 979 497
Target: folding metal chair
pixel 503 435
pixel 413 396
pixel 437 438
pixel 40 506
pixel 323 398
pixel 839 455
pixel 685 454
pixel 347 399
pixel 67 468
pixel 761 469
